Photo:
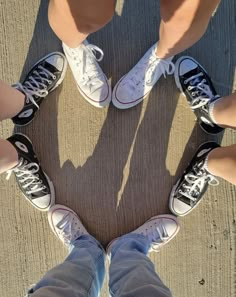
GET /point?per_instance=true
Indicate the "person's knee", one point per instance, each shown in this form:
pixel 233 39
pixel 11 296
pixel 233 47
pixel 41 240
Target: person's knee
pixel 93 22
pixel 188 16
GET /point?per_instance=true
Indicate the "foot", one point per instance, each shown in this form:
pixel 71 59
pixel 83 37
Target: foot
pixel 132 88
pixel 159 231
pixel 92 83
pixel 33 182
pixel 44 77
pixel 190 188
pixel 65 224
pixel 194 82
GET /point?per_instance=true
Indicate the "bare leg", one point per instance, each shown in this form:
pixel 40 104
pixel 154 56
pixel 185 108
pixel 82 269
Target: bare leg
pixel 8 156
pixel 183 24
pixel 222 163
pixel 73 20
pixel 11 101
pixel 224 111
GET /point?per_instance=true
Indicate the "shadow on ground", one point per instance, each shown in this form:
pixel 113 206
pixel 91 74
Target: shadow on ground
pixel 125 181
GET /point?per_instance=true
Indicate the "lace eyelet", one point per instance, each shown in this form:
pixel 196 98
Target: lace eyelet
pixel 49 82
pixel 54 77
pixel 189 88
pixel 185 82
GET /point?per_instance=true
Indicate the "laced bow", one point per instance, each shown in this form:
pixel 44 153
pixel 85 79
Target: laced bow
pixel 67 230
pixel 199 87
pixel 196 183
pixel 91 74
pixel 27 177
pixel 157 235
pixel 166 67
pixel 36 84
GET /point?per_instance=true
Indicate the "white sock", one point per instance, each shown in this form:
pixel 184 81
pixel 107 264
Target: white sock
pixel 205 166
pixel 211 107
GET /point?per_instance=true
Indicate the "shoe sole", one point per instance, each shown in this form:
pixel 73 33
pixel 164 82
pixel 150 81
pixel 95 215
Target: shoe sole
pixel 108 249
pixel 56 85
pixel 171 199
pixel 178 84
pixel 50 183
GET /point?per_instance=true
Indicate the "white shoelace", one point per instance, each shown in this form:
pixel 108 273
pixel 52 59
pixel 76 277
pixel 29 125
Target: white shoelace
pixel 91 74
pixel 166 67
pixel 196 183
pixel 150 69
pixel 36 85
pixel 157 234
pixel 27 177
pixel 199 87
pixel 67 229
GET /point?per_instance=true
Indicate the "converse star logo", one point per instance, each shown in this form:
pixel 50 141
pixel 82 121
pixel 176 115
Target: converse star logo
pixel 201 153
pixel 21 146
pixel 26 113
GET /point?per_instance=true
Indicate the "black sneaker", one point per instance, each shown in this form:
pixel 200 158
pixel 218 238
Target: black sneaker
pixel 33 182
pixel 45 76
pixel 190 188
pixel 194 82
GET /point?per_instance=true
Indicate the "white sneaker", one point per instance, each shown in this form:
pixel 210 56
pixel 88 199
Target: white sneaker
pixel 65 224
pixel 90 79
pixel 159 230
pixel 132 88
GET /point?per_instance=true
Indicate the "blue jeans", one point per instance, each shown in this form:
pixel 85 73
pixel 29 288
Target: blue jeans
pixel 132 273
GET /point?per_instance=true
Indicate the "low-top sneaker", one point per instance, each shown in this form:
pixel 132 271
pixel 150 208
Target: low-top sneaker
pixel 44 77
pixel 158 230
pixel 132 88
pixel 190 188
pixel 194 82
pixel 92 83
pixel 32 181
pixel 65 224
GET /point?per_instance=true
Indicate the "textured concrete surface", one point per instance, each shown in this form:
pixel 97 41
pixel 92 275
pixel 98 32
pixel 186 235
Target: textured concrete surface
pixel 116 168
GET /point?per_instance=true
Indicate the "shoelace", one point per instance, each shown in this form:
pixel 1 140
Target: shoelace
pixel 167 68
pixel 152 71
pixel 196 183
pixel 36 85
pixel 27 177
pixel 157 235
pixel 91 74
pixel 199 87
pixel 66 229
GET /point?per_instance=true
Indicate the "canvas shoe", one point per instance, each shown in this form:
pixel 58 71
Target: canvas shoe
pixel 32 180
pixel 190 188
pixel 92 83
pixel 65 224
pixel 44 77
pixel 159 230
pixel 132 88
pixel 194 82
